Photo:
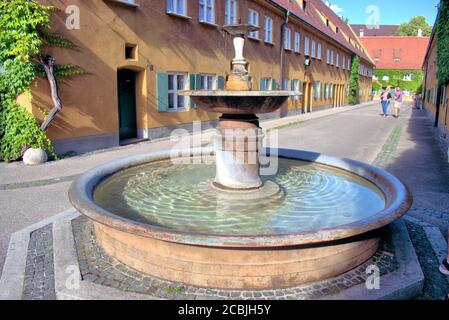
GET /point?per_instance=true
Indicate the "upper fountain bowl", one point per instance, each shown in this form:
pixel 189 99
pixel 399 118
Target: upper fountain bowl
pixel 239 102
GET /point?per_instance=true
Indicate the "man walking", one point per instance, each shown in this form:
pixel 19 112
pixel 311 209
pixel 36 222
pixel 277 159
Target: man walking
pixel 398 96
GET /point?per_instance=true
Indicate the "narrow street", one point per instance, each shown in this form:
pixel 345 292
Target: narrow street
pixel 407 147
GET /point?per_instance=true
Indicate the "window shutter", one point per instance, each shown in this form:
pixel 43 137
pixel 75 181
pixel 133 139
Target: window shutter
pixel 273 84
pixel 262 84
pixel 162 92
pixel 220 82
pixel 194 81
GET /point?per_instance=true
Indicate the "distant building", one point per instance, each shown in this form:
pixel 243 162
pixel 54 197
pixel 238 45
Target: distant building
pixel 139 53
pixel 398 60
pixel 363 30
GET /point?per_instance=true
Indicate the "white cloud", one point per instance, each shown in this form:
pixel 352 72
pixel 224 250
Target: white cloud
pixel 335 8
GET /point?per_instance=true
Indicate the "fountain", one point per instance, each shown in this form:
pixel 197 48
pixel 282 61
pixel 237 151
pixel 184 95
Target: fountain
pixel 227 226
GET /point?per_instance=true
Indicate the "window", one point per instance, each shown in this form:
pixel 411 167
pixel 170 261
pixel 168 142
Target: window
pixel 349 63
pixel 397 59
pixel 266 84
pixel 313 49
pixel 297 45
pixel 268 30
pixel 207 82
pixel 130 51
pixel 337 60
pixel 253 19
pixel 343 63
pixel 318 54
pixel 231 12
pixel 285 84
pixel 326 91
pixel 207 11
pixel 328 56
pixel 287 39
pixel 296 86
pixel 317 89
pixel 176 81
pixel 306 46
pixel 177 6
pixel 332 57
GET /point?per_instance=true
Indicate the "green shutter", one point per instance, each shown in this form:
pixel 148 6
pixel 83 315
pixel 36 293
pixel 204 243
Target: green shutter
pixel 194 83
pixel 262 84
pixel 273 84
pixel 292 85
pixel 162 92
pixel 220 82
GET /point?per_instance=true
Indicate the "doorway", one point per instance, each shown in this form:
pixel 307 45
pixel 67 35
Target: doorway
pixel 126 85
pixel 307 97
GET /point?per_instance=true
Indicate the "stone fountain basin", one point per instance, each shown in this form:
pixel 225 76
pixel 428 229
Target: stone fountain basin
pixel 240 262
pixel 239 102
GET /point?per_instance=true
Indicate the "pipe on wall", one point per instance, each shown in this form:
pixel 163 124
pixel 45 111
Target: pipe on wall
pixel 283 26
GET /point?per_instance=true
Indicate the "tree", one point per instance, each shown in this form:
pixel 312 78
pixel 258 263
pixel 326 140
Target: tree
pixel 410 29
pixel 442 31
pixel 354 81
pixel 24 34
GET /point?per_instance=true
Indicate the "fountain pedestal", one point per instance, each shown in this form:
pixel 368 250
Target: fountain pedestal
pixel 237 145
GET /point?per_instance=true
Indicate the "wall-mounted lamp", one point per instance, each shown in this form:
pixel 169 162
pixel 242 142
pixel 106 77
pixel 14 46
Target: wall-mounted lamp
pixel 307 62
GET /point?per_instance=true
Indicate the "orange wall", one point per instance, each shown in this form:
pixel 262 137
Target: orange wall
pixel 165 43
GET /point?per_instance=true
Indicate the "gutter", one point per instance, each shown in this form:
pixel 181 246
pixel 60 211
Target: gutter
pixel 283 26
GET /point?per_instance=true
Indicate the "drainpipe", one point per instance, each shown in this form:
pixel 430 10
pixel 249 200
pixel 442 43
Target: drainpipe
pixel 283 26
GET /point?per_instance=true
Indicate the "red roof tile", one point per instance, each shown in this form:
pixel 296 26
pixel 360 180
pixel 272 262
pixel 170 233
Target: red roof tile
pixel 382 31
pixel 410 51
pixel 311 16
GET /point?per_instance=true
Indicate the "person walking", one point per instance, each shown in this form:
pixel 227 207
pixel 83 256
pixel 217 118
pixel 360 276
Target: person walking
pixel 444 268
pixel 385 100
pixel 398 96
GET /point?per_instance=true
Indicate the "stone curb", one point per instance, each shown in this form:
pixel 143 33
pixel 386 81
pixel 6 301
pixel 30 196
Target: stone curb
pixel 405 283
pixel 68 282
pixel 435 237
pixel 13 275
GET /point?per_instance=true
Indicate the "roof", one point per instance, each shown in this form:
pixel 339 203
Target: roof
pixel 410 51
pixel 377 31
pixel 312 16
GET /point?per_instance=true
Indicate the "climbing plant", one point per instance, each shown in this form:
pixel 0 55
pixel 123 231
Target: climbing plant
pixel 396 77
pixel 442 31
pixel 354 81
pixel 24 33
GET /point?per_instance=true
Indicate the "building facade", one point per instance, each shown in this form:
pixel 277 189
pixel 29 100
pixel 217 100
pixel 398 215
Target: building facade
pixel 137 54
pixel 436 99
pixel 398 61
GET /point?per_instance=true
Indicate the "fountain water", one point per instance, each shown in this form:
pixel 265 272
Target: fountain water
pixel 316 218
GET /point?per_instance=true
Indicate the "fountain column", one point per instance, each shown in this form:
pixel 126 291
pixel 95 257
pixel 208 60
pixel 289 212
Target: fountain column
pixel 237 145
pixel 239 137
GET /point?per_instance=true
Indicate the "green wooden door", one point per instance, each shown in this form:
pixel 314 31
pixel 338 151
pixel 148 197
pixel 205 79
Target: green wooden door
pixel 126 80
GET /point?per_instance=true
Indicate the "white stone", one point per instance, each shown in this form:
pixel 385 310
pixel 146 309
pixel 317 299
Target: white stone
pixel 34 157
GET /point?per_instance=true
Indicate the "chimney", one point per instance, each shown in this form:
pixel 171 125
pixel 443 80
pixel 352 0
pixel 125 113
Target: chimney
pixel 362 33
pixel 420 32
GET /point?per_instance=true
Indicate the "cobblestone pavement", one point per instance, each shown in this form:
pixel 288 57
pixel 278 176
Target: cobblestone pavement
pixel 435 286
pixel 39 281
pixel 98 267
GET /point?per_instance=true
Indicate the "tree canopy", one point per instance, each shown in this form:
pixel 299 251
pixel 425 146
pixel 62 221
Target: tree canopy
pixel 411 28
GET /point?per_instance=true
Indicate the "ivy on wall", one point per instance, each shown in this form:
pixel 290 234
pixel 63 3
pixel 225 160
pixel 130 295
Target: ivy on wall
pixel 396 77
pixel 354 81
pixel 443 43
pixel 23 35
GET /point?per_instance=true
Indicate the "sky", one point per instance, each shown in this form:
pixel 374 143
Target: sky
pixel 387 11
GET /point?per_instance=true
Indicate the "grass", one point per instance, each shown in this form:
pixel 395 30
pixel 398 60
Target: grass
pixel 290 124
